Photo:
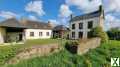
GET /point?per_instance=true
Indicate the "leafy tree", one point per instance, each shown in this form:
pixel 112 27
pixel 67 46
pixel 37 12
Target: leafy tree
pixel 98 32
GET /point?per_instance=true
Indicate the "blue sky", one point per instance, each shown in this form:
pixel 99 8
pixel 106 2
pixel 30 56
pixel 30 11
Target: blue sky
pixel 58 11
pixel 51 8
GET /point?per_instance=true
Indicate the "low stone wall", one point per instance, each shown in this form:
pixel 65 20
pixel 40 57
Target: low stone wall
pixel 84 47
pixel 35 51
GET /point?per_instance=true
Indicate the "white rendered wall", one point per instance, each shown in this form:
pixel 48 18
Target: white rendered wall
pixel 85 30
pixel 36 34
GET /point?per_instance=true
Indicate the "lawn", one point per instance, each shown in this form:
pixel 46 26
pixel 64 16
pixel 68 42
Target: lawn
pixel 99 57
pixel 41 41
pixel 7 52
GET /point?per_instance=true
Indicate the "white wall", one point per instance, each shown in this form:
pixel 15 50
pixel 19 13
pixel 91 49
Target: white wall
pixel 36 34
pixel 85 30
pixel 2 34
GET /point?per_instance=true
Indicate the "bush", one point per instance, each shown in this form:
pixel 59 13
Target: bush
pixel 98 32
pixel 72 43
pixel 71 46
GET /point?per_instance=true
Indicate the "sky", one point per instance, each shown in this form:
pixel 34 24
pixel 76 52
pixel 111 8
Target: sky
pixel 59 11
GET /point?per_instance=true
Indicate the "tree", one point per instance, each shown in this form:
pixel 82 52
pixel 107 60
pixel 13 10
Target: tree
pixel 98 32
pixel 114 33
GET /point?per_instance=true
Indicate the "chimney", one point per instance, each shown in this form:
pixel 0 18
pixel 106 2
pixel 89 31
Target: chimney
pixel 71 16
pixel 50 24
pixel 101 8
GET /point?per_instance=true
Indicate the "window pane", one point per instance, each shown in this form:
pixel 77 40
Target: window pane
pixel 80 34
pixel 31 33
pixel 47 33
pixel 73 34
pixel 90 24
pixel 80 25
pixel 89 34
pixel 73 26
pixel 40 33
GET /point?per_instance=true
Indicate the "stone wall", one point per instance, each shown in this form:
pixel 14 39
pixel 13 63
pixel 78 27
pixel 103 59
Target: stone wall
pixel 84 47
pixel 35 51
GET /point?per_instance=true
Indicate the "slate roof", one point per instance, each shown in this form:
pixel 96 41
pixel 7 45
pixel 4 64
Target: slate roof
pixel 60 27
pixel 86 16
pixel 11 23
pixel 36 24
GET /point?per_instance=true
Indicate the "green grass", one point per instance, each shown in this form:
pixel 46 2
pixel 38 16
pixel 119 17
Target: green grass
pixel 99 57
pixel 7 52
pixel 41 42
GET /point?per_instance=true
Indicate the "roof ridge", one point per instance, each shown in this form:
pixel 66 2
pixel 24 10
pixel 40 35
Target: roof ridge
pixel 87 15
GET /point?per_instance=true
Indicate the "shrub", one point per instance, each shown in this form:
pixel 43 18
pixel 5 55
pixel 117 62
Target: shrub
pixel 98 32
pixel 72 42
pixel 71 46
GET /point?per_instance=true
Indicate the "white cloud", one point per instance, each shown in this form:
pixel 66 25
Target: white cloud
pixel 35 7
pixel 31 17
pixel 65 11
pixel 53 21
pixel 111 21
pixel 7 14
pixel 85 5
pixel 64 14
pixel 112 9
pixel 112 5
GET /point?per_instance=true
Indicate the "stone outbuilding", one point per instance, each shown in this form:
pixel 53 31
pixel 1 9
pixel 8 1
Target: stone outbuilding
pixel 60 31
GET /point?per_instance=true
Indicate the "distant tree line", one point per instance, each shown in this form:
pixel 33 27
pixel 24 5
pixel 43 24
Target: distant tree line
pixel 114 33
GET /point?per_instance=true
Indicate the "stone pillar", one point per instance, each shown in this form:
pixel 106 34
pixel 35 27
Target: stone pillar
pixel 2 35
pixel 23 35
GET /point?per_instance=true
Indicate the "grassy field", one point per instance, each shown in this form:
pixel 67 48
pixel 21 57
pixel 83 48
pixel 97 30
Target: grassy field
pixel 6 52
pixel 41 41
pixel 99 57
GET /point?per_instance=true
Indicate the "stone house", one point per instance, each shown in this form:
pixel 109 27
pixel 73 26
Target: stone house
pixel 60 31
pixel 80 26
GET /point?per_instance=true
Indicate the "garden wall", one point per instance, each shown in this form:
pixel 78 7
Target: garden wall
pixel 84 47
pixel 35 51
